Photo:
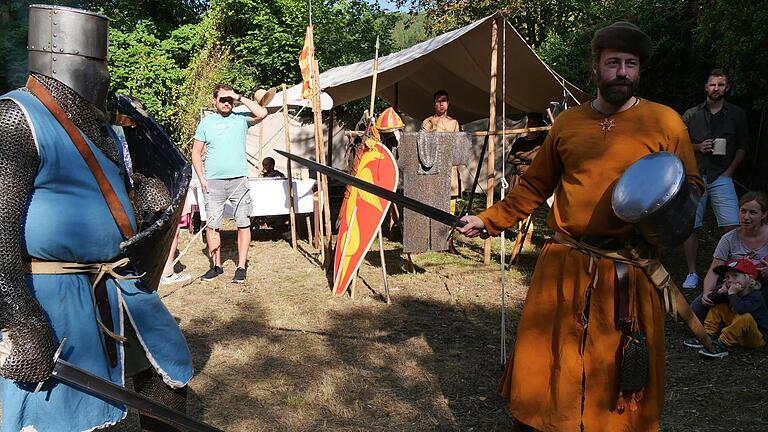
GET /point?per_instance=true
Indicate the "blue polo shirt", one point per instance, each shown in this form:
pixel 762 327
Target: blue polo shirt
pixel 225 138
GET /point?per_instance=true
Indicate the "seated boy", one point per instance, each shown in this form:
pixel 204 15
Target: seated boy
pixel 743 320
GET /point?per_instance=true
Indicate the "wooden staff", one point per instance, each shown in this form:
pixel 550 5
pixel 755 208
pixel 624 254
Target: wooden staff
pixel 512 131
pixel 291 194
pixel 325 201
pixel 375 75
pixel 383 267
pixel 370 119
pixel 492 130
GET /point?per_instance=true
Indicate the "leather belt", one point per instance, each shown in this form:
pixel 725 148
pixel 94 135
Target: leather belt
pixel 608 243
pixel 98 273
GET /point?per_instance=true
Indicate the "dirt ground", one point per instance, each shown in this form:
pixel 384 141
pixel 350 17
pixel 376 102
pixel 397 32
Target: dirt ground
pixel 280 353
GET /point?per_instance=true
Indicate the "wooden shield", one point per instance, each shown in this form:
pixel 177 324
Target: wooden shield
pixel 362 213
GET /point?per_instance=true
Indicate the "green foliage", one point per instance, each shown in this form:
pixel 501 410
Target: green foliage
pixel 737 32
pixel 408 30
pixel 265 37
pixel 154 70
pixel 166 15
pixel 13 44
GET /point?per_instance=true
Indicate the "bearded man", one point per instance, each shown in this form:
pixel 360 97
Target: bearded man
pixel 712 119
pixel 563 373
pixel 66 213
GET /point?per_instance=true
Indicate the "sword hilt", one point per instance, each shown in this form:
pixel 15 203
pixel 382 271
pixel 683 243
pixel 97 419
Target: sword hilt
pixel 56 356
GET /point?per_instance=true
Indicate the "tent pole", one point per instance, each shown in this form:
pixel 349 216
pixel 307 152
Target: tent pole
pixel 326 207
pixel 261 146
pixel 492 129
pixel 329 156
pixel 318 119
pixel 291 195
pixel 396 99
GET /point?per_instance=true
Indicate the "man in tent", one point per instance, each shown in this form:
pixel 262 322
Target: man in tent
pixel 442 122
pixel 564 373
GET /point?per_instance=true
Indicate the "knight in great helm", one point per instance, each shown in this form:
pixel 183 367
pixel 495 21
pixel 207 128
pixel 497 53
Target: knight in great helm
pixel 72 265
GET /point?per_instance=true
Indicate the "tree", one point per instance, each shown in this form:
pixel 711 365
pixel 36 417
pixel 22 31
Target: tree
pixel 154 70
pixel 737 32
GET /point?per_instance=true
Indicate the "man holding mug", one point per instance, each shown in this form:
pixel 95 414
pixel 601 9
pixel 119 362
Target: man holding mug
pixel 720 137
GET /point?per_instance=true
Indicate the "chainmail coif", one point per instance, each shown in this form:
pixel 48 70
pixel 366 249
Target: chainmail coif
pixel 85 116
pixel 28 346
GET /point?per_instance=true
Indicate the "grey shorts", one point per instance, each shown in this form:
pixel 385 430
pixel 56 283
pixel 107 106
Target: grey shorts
pixel 236 192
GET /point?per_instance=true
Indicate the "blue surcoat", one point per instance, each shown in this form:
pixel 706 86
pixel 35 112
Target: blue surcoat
pixel 67 219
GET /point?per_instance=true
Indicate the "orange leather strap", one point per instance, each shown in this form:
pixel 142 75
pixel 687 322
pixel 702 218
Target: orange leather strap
pixel 114 204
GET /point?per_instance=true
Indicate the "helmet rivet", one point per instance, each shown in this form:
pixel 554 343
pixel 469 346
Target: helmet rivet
pixel 55 35
pixel 54 71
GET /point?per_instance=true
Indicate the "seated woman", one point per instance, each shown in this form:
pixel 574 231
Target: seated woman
pixel 749 240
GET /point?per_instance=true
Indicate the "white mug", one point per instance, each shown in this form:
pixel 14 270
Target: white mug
pixel 719 147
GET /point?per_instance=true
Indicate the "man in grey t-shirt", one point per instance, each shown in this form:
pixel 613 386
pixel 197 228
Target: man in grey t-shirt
pixel 715 119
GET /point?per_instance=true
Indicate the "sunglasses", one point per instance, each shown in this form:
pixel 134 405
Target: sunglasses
pixel 227 99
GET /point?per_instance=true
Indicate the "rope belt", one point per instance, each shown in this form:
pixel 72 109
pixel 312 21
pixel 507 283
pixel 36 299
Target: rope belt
pixel 674 301
pixel 99 273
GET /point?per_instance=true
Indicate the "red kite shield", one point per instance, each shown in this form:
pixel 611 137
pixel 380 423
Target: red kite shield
pixel 362 212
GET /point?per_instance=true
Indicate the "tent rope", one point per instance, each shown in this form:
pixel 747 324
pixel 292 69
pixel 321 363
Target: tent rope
pixel 504 185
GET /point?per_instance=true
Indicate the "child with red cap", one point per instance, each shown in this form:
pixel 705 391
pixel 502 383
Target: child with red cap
pixel 743 320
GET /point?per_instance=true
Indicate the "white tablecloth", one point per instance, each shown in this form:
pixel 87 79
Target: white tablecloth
pixel 269 197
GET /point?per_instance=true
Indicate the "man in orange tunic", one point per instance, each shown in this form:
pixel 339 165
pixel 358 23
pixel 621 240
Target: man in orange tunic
pixel 563 373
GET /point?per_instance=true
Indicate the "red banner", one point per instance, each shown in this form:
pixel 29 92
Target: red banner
pixel 304 64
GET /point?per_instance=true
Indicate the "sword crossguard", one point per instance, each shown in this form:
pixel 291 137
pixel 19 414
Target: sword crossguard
pixel 56 356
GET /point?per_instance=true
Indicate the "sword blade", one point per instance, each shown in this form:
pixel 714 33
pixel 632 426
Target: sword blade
pixel 84 380
pixel 419 207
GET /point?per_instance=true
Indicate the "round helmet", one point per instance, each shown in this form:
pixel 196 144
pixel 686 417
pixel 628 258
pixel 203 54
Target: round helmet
pixel 389 121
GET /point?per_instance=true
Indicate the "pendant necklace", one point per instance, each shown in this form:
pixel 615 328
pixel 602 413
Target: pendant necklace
pixel 607 123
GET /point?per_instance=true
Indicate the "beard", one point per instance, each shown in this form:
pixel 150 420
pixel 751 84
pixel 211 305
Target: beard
pixel 714 97
pixel 617 91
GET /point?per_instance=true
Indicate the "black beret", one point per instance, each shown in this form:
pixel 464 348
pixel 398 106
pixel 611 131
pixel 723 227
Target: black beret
pixel 623 36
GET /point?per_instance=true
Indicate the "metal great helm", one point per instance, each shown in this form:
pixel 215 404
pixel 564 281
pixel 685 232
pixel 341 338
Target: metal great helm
pixel 70 45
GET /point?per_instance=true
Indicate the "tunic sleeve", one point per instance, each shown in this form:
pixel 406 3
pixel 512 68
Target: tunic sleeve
pixel 680 145
pixel 534 188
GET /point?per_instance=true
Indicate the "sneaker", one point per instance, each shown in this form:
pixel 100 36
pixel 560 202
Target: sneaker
pixel 212 273
pixel 691 281
pixel 693 343
pixel 720 350
pixel 239 275
pixel 175 278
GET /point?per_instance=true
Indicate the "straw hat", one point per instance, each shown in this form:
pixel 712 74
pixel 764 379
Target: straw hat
pixel 263 97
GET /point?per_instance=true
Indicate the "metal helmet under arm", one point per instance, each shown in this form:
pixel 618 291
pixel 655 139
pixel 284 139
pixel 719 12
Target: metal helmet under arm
pixel 654 194
pixel 70 45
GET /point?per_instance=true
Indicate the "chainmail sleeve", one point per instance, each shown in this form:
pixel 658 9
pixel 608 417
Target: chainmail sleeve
pixel 27 346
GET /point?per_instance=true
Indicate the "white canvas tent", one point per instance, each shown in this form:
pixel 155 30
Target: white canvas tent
pixel 459 62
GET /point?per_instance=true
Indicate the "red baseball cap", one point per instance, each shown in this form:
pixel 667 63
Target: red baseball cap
pixel 741 265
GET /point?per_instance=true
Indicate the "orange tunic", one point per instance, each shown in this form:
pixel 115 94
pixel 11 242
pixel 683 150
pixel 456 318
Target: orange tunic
pixel 563 372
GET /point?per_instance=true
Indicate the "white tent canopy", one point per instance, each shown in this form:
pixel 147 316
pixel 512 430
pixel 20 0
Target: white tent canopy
pixel 459 62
